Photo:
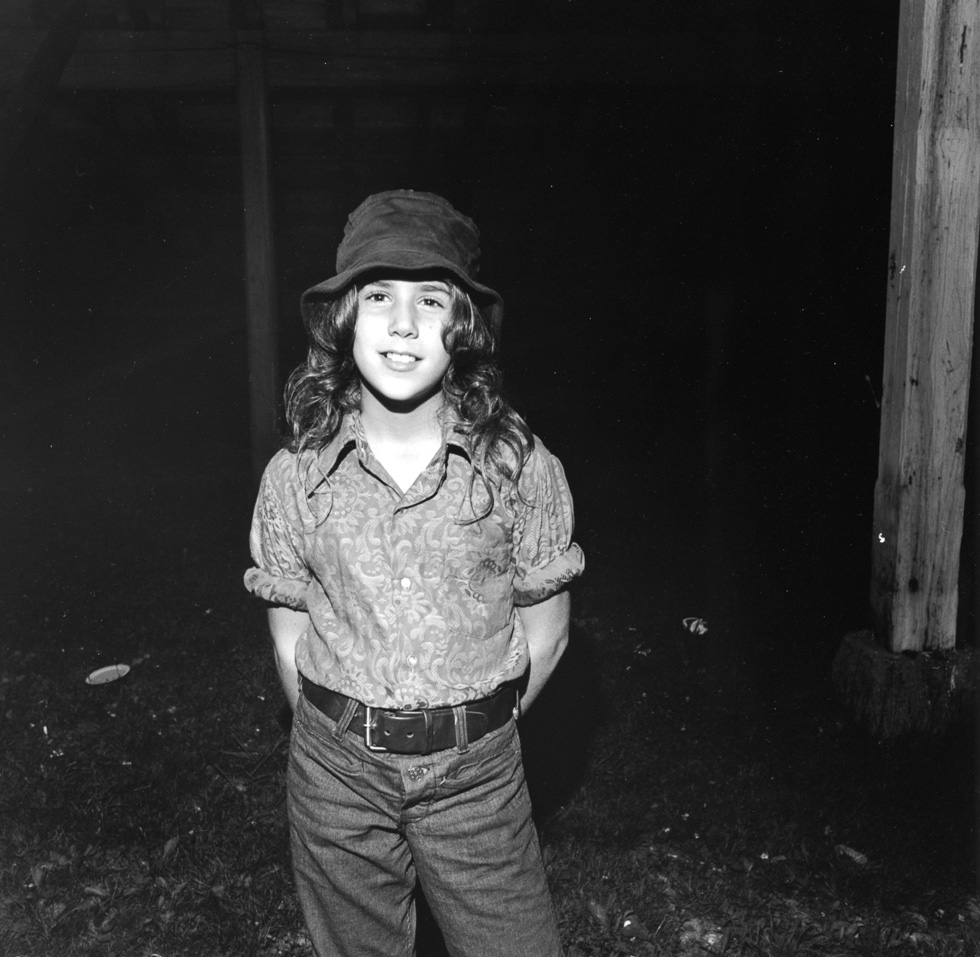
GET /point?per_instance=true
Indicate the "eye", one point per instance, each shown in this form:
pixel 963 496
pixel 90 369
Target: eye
pixel 374 295
pixel 432 302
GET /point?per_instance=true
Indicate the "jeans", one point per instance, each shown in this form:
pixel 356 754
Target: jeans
pixel 366 825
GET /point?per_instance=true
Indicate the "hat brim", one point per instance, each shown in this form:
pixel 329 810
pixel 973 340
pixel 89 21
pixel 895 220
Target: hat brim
pixel 487 300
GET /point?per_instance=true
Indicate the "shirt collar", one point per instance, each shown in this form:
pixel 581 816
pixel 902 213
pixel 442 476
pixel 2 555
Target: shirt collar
pixel 351 437
pixel 337 448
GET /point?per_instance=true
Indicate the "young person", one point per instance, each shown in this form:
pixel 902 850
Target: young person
pixel 413 541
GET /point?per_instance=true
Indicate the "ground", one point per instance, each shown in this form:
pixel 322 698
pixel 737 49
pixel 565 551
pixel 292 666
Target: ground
pixel 696 783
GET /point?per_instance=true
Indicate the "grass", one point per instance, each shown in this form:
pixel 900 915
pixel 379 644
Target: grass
pixel 146 817
pixel 773 830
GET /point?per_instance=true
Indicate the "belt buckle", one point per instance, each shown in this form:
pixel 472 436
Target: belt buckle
pixel 368 726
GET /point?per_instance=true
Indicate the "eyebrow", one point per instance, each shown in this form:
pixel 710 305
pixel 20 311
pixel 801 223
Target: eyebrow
pixel 436 286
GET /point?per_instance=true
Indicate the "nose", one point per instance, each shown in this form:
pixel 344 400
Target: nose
pixel 403 321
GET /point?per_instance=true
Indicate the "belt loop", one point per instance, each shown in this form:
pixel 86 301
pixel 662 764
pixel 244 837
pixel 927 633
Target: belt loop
pixel 462 731
pixel 429 730
pixel 345 719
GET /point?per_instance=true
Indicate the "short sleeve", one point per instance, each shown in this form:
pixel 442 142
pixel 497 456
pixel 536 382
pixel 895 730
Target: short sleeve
pixel 279 575
pixel 547 558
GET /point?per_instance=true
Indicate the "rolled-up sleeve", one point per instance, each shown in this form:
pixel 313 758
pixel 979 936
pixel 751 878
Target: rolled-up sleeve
pixel 546 557
pixel 280 574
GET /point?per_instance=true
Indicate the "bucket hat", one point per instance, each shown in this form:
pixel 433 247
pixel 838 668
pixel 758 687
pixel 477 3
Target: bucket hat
pixel 408 230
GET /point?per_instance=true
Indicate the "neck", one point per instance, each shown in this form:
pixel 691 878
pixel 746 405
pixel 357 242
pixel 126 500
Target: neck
pixel 393 423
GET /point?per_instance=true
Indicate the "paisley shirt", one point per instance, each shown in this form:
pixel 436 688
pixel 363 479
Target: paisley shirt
pixel 411 601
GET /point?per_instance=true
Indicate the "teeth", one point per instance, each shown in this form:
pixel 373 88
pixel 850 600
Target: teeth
pixel 400 357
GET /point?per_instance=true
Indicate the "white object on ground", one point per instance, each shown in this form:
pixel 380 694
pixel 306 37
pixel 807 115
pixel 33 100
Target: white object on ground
pixel 109 673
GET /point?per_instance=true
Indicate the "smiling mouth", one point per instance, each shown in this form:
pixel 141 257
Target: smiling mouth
pixel 402 358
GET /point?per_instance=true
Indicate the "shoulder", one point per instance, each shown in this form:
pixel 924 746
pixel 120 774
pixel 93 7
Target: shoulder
pixel 542 471
pixel 540 456
pixel 289 474
pixel 281 463
pixel 281 469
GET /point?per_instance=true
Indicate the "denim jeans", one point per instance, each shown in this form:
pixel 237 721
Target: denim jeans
pixel 366 825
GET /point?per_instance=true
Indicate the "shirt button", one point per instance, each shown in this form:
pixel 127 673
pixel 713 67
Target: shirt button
pixel 406 583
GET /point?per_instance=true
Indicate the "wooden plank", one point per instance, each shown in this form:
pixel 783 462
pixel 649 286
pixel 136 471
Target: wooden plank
pixel 248 14
pixel 19 13
pixel 470 15
pixel 39 80
pixel 919 495
pixel 286 15
pixel 260 308
pixel 204 60
pixel 122 13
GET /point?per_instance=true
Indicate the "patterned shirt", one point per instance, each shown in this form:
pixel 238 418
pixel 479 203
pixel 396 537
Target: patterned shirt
pixel 411 601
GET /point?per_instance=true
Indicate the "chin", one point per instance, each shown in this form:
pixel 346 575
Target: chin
pixel 405 400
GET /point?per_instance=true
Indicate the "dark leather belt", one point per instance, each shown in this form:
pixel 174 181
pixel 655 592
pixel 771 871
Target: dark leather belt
pixel 415 732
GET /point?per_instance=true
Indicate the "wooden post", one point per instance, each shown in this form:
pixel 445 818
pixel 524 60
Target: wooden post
pixel 263 362
pixel 919 495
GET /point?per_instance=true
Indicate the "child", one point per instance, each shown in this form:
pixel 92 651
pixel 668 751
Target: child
pixel 413 542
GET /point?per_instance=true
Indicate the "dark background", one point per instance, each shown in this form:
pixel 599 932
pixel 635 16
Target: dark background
pixel 694 275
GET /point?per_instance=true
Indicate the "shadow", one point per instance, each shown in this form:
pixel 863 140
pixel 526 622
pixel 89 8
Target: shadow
pixel 428 937
pixel 284 719
pixel 556 735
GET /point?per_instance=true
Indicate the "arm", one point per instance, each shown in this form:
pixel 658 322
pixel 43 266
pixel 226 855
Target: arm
pixel 286 626
pixel 546 628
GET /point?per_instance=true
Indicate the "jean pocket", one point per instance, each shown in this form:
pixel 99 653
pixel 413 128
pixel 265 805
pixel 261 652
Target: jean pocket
pixel 313 739
pixel 487 758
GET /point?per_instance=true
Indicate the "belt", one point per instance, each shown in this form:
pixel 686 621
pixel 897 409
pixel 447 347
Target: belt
pixel 416 732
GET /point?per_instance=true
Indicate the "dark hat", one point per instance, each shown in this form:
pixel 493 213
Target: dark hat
pixel 403 229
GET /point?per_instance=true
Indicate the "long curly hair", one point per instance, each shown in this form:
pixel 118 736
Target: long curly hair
pixel 326 387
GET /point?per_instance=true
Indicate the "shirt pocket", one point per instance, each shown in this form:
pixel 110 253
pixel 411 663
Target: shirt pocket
pixel 477 552
pixel 477 572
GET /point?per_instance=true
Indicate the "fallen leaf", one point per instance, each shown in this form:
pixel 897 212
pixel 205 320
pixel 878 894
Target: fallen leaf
pixel 703 934
pixel 856 856
pixel 169 847
pixel 599 913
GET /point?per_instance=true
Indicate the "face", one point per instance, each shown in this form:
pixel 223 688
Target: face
pixel 398 346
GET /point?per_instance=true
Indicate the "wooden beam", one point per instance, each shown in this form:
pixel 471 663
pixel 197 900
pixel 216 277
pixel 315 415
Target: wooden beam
pixel 919 495
pixel 38 80
pixel 260 305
